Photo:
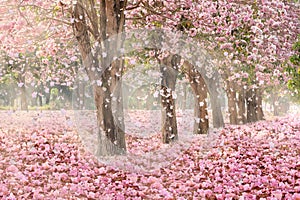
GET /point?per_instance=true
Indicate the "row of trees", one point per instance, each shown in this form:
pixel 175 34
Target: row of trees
pixel 245 44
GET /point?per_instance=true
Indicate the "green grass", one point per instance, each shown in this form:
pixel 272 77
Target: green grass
pixel 45 107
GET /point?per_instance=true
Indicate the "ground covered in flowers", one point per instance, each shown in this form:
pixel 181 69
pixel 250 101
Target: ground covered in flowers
pixel 41 157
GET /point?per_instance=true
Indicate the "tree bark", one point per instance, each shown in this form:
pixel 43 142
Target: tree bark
pixel 251 106
pixel 184 97
pixel 112 20
pixel 241 107
pixel 213 86
pixel 24 103
pixel 111 131
pixel 40 100
pixel 275 103
pixel 217 115
pixel 201 124
pixel 111 137
pixel 168 83
pixel 48 95
pixel 259 108
pixel 12 96
pixel 232 109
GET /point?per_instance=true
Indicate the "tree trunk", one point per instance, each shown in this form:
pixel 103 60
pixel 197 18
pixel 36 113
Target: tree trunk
pixel 24 103
pixel 40 100
pixel 111 131
pixel 251 106
pixel 169 121
pixel 184 97
pixel 47 96
pixel 111 136
pixel 260 113
pixel 275 103
pixel 201 124
pixel 231 95
pixel 217 115
pixel 215 98
pixel 241 107
pixel 168 83
pixel 112 20
pixel 33 102
pixel 232 107
pixel 115 71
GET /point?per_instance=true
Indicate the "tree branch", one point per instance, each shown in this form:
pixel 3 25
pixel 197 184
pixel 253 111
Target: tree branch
pixel 149 8
pixel 134 6
pixel 135 18
pixel 58 20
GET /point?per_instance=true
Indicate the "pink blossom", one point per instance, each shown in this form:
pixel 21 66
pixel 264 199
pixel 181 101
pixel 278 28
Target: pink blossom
pixel 296 196
pixel 12 168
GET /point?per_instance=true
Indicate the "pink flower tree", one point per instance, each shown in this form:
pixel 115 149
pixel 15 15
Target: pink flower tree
pixel 34 57
pixel 254 39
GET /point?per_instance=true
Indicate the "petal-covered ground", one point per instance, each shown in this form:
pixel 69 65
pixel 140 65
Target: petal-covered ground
pixel 41 157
